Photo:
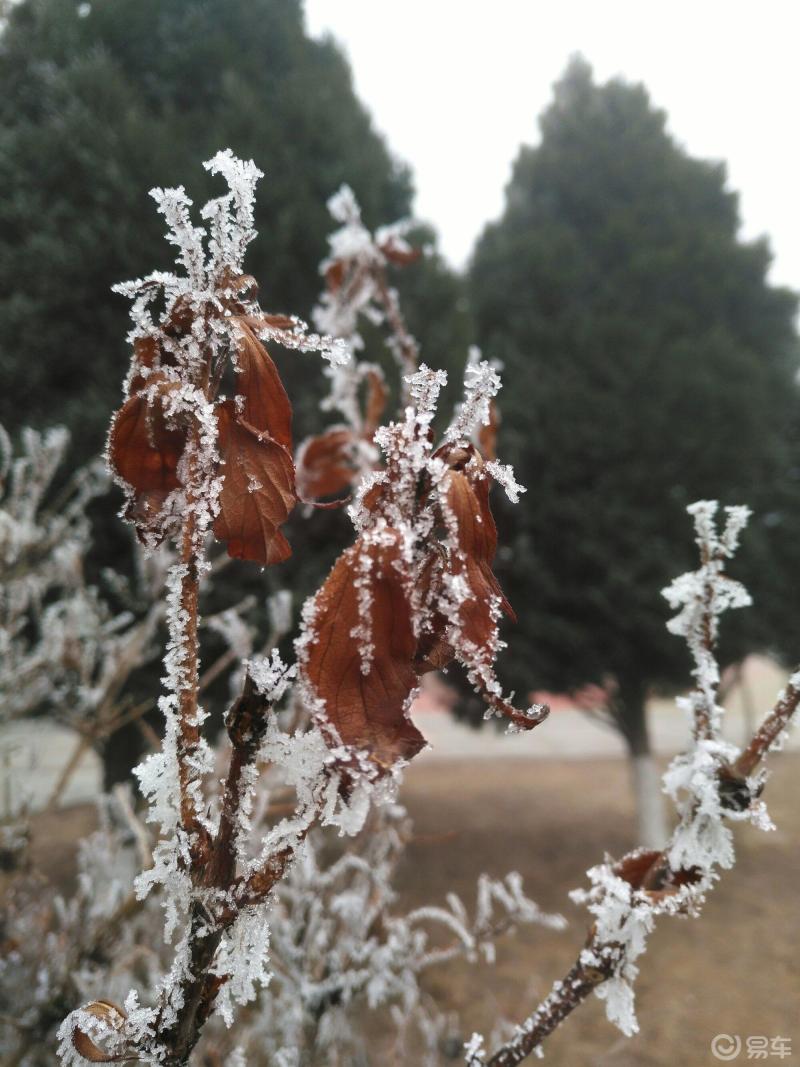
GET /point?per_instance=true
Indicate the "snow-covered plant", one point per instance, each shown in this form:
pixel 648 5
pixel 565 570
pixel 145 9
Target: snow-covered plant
pixel 339 950
pixel 51 625
pixel 55 950
pixel 414 592
pixel 356 287
pixel 67 647
pixel 713 784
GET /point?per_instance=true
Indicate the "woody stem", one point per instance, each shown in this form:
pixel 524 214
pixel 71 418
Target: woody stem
pixel 191 557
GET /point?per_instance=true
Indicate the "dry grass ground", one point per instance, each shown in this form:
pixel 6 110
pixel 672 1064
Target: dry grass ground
pixel 735 971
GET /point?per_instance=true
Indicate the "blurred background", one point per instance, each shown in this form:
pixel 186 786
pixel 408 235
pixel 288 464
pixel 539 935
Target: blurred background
pixel 606 196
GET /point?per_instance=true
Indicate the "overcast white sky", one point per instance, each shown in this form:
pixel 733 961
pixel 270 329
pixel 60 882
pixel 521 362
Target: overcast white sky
pixel 457 86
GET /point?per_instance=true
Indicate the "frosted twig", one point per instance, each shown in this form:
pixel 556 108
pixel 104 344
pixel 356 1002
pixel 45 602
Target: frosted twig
pixel 711 784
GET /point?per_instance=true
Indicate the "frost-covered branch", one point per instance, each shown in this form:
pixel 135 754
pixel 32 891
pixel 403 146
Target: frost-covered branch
pixel 357 283
pixel 338 950
pixel 712 784
pixel 62 949
pixel 356 287
pixel 53 627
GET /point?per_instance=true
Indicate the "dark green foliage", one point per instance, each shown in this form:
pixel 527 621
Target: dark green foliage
pixel 95 111
pixel 648 364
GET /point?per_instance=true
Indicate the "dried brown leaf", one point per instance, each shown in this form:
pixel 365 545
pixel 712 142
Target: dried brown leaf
pixel 473 632
pixel 375 404
pixel 334 275
pixel 257 492
pixel 325 464
pixel 648 871
pixel 434 652
pixel 398 253
pixel 487 434
pixel 368 710
pixel 111 1016
pixel 467 497
pixel 146 356
pixel 279 322
pixel 265 403
pixel 144 453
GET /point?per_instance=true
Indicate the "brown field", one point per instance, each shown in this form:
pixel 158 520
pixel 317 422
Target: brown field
pixel 735 971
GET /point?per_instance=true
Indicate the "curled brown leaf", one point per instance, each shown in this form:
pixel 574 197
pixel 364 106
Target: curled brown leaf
pixel 112 1018
pixel 375 404
pixel 264 402
pixel 144 453
pixel 648 871
pixel 325 464
pixel 367 708
pixel 487 434
pixel 399 253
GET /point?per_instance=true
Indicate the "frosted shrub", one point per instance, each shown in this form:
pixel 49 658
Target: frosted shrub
pixel 58 950
pixel 51 624
pixel 67 647
pixel 415 592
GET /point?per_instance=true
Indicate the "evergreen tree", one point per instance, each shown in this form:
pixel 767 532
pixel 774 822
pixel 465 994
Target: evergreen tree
pixel 648 363
pixel 100 102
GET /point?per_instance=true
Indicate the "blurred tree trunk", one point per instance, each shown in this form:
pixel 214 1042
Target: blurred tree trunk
pixel 630 714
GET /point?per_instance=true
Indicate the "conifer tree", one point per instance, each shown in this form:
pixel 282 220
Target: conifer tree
pixel 101 101
pixel 653 364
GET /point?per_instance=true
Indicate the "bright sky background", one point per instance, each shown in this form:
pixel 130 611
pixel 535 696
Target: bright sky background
pixel 457 85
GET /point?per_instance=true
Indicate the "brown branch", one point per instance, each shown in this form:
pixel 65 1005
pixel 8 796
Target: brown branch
pixel 407 352
pixel 198 989
pixel 81 747
pixel 188 727
pixel 218 667
pixel 770 730
pixel 263 880
pixel 246 722
pixel 564 998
